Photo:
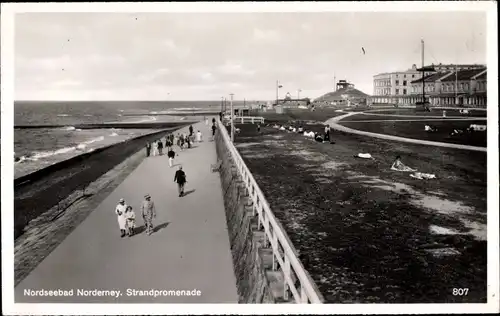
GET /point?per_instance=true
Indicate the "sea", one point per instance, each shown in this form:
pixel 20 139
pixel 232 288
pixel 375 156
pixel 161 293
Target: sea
pixel 36 148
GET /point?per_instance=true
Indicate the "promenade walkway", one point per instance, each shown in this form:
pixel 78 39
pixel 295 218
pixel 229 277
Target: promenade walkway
pixel 189 250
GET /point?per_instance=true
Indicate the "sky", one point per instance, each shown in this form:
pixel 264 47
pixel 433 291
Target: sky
pixel 206 56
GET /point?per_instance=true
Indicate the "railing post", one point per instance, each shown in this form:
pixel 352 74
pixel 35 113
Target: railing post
pixel 286 272
pixel 253 120
pixel 274 245
pixel 242 120
pixel 303 295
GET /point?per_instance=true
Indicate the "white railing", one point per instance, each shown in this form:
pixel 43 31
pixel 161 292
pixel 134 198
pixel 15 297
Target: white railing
pixel 275 235
pixel 248 119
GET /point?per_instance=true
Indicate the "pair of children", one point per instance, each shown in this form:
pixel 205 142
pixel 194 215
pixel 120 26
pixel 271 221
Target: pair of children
pixel 130 220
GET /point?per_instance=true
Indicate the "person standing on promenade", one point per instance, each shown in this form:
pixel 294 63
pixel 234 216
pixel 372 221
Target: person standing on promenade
pixel 120 212
pixel 191 130
pixel 160 148
pixel 188 141
pixel 176 140
pixel 198 136
pixel 148 211
pixel 258 128
pixel 148 149
pixel 180 178
pixel 182 141
pixel 155 148
pixel 213 131
pixel 213 121
pixel 130 217
pixel 206 121
pixel 171 156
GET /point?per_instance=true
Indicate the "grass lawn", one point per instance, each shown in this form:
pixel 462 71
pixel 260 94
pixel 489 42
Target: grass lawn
pixel 433 112
pixel 416 130
pixel 369 234
pixel 383 117
pixel 318 115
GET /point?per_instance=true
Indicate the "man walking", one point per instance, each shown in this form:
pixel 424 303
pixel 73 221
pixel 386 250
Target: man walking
pixel 191 130
pixel 148 213
pixel 180 178
pixel 171 156
pixel 160 148
pixel 122 220
pixel 148 149
pixel 213 131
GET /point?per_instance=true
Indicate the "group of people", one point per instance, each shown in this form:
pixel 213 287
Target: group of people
pixel 183 141
pixel 472 128
pixel 126 214
pixel 325 137
pixel 127 219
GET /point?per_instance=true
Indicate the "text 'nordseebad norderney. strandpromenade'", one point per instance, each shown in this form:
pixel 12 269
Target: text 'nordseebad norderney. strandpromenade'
pixel 111 293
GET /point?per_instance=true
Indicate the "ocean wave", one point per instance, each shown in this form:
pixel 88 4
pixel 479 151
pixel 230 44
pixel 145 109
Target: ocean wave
pixel 69 128
pixel 145 120
pixel 190 109
pixel 113 134
pixel 63 115
pixel 49 153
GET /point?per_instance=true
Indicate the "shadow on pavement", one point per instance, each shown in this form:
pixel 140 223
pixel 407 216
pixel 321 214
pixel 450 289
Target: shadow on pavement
pixel 139 229
pixel 160 227
pixel 189 192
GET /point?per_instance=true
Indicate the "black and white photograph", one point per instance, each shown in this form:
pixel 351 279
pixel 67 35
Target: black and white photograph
pixel 229 157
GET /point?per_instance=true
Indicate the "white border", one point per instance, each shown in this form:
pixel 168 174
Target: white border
pixel 7 86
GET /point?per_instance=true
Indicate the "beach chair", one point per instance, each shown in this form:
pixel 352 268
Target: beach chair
pixel 215 167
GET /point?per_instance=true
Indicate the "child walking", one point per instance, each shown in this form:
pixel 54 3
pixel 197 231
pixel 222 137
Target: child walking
pixel 130 217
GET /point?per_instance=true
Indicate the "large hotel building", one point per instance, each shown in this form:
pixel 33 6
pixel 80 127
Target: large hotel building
pixel 445 85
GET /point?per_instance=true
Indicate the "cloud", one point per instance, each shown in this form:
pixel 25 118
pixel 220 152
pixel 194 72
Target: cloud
pixel 266 35
pixel 147 55
pixel 235 68
pixel 66 83
pixel 154 75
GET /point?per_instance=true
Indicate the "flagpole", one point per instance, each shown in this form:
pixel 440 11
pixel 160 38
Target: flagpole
pixel 277 87
pixel 232 118
pixel 456 84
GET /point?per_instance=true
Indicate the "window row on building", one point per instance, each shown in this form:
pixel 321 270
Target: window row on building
pixel 464 86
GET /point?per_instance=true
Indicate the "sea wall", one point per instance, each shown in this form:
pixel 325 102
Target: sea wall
pixel 251 260
pixel 37 192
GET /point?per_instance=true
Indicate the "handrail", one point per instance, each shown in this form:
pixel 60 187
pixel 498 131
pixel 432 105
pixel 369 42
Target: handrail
pixel 276 236
pixel 252 119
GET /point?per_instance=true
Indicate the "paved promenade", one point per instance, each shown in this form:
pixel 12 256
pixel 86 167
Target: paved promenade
pixel 189 250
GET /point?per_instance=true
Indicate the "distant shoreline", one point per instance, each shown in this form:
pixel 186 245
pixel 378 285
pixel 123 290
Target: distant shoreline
pixel 148 125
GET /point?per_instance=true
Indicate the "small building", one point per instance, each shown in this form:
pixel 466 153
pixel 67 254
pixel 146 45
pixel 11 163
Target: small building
pixel 346 95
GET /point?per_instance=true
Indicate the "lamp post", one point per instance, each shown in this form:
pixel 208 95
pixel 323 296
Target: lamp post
pixel 278 86
pixel 232 118
pixel 298 94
